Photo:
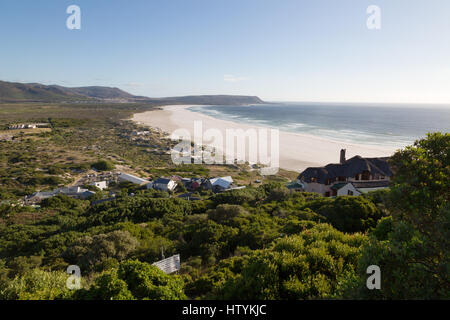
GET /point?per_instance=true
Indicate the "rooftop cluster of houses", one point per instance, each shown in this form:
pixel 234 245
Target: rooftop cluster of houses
pixel 140 133
pixel 354 176
pixel 28 126
pixel 218 184
pixel 74 192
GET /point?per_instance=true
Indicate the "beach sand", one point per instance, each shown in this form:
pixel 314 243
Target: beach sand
pixel 296 151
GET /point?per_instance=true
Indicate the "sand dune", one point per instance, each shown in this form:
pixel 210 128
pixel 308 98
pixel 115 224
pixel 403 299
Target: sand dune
pixel 296 151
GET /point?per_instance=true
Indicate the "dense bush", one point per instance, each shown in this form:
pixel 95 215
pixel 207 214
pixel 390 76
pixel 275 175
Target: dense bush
pixel 90 251
pixel 350 214
pixel 103 165
pixel 306 266
pixel 135 280
pixel 36 284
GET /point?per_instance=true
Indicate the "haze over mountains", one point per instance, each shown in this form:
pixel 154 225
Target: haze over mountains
pixel 36 92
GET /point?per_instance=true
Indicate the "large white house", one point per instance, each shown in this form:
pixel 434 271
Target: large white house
pixel 349 177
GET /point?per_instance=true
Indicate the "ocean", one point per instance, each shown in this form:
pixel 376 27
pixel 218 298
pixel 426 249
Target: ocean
pixel 374 124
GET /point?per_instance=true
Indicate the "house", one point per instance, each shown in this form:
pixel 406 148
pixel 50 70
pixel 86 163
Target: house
pixel 74 192
pixel 37 197
pixel 164 184
pixel 348 177
pixel 125 177
pixel 140 133
pixel 192 183
pixel 22 126
pixel 345 189
pixel 102 185
pixel 219 184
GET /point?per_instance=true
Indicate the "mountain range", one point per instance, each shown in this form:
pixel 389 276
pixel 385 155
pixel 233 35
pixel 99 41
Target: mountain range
pixel 36 92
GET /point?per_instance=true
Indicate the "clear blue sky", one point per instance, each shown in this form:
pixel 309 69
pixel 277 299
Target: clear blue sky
pixel 292 50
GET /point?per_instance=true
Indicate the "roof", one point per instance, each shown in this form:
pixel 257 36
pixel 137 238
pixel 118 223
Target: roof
pixel 69 191
pixel 223 182
pixel 349 168
pixel 131 178
pixel 338 186
pixel 42 195
pixel 162 181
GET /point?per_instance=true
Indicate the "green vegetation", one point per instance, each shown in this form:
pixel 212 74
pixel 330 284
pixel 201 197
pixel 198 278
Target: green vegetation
pixel 262 242
pixel 412 245
pixel 103 165
pixel 134 280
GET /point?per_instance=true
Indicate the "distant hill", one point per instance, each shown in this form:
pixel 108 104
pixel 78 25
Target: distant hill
pixel 102 92
pixel 212 99
pixel 17 92
pixel 36 92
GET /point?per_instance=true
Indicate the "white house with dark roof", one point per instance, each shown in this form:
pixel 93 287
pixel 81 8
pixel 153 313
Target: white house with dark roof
pixel 354 176
pixel 163 184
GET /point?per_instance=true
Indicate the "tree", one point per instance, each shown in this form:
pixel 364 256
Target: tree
pixel 91 251
pixel 103 165
pixel 107 286
pixel 350 214
pixel 411 248
pixel 226 212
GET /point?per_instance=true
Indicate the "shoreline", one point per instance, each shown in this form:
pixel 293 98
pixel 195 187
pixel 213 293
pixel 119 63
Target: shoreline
pixel 297 151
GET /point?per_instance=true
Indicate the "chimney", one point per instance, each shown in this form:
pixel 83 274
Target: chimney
pixel 342 160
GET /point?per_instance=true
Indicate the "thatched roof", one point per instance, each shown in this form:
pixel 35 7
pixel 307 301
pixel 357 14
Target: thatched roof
pixel 348 169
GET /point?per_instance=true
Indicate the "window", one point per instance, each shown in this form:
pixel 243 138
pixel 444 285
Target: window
pixel 327 194
pixel 365 175
pixel 350 192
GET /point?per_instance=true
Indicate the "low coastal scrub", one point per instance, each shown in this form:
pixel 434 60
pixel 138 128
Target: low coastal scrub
pixel 261 242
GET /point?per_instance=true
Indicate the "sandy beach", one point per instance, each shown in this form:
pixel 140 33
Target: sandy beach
pixel 296 151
